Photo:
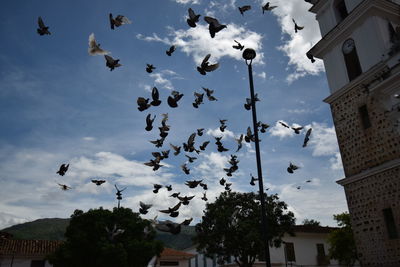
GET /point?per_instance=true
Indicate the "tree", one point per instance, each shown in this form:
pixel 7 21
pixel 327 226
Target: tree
pixel 311 222
pixel 343 247
pixel 231 226
pixel 102 237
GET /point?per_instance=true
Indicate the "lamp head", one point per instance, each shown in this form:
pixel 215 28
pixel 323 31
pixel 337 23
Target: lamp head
pixel 249 54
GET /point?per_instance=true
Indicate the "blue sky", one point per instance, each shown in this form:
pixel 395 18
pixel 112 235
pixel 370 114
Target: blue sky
pixel 61 105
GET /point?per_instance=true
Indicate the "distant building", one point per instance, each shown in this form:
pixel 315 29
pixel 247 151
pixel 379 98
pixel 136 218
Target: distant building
pixel 360 47
pixel 308 247
pixel 26 253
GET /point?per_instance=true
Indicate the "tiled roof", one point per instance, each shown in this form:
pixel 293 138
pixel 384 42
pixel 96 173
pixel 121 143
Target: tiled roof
pixel 28 247
pixel 313 229
pixel 169 252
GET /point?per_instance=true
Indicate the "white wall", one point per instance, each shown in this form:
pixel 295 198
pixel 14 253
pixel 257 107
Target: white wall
pixel 19 262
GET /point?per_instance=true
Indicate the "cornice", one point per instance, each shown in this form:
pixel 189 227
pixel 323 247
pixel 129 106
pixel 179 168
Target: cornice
pixel 369 172
pixel 343 30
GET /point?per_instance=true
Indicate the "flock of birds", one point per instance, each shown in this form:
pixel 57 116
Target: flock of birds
pixel 189 146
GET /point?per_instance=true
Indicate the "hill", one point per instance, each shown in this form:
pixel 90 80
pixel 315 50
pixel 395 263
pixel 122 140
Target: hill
pixel 54 229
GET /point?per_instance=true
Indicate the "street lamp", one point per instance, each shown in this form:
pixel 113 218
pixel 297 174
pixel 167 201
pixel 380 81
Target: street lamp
pixel 249 54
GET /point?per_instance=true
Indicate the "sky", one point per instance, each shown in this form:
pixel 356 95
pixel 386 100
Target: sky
pixel 61 105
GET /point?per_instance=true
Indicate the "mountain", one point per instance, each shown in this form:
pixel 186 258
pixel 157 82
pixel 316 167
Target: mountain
pixel 54 229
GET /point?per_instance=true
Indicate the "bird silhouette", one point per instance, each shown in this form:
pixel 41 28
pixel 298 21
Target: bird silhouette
pixel 155 96
pixel 228 186
pixel 156 188
pixel 173 211
pixel 249 137
pixel 64 187
pixel 114 232
pixel 297 27
pixel 143 103
pixel 297 129
pixel 253 180
pixel 94 48
pixel 174 98
pixel 63 169
pixel 307 137
pixel 187 222
pixel 189 146
pixel 292 168
pixel 239 141
pixel 119 192
pixel 222 126
pixel 112 63
pixel 238 46
pixel 267 7
pixel 198 99
pixel 264 126
pixel 118 21
pixel 150 68
pixel 193 18
pixel 222 181
pixel 185 200
pixel 170 50
pixel 209 93
pixel 308 181
pixel 153 163
pixel 43 29
pixel 191 159
pixel 144 207
pixel 243 9
pixel 204 186
pixel 168 227
pixel 175 195
pixel 165 154
pixel 284 124
pixel 298 187
pixel 206 67
pixel 163 131
pixel 149 122
pixel 204 197
pixel 158 142
pixel 193 184
pixel 185 169
pixel 204 145
pixel 169 187
pixel 98 182
pixel 213 26
pixel 177 149
pixel 310 57
pixel 200 131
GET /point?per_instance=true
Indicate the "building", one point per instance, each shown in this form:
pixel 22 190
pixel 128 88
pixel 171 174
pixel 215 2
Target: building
pixel 26 253
pixel 308 247
pixel 360 47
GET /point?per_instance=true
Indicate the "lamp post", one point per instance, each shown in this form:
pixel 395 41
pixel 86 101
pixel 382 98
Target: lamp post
pixel 249 54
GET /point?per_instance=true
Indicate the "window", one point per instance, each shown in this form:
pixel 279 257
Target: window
pixel 366 123
pixel 351 59
pixel 289 250
pixel 340 10
pixel 38 263
pixel 390 223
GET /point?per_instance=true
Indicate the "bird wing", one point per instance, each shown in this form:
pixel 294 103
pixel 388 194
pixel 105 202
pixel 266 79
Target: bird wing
pixel 205 60
pixel 191 139
pixel 211 67
pixel 192 15
pixel 145 206
pixel 308 132
pixel 245 8
pixel 211 20
pixel 176 207
pixel 41 23
pixel 123 19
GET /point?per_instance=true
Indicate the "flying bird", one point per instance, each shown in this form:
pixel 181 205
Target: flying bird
pixel 238 46
pixel 185 169
pixel 112 63
pixel 222 181
pixel 200 131
pixel 143 103
pixel 175 195
pixel 155 96
pixel 193 184
pixel 118 21
pixel 249 137
pixel 214 26
pixel 169 187
pixel 267 7
pixel 149 122
pixel 174 98
pixel 94 48
pixel 310 57
pixel 43 29
pixel 297 27
pixel 185 200
pixel 239 141
pixel 158 142
pixel 189 146
pixel 154 163
pixel 191 159
pixel 206 67
pixel 198 100
pixel 284 124
pixel 187 222
pixel 297 129
pixel 204 186
pixel 170 50
pixel 168 227
pixel 150 68
pixel 253 180
pixel 292 168
pixel 307 137
pixel 173 212
pixel 193 18
pixel 156 188
pixel 98 182
pixel 228 186
pixel 263 126
pixel 204 197
pixel 204 145
pixel 222 127
pixel 63 169
pixel 209 93
pixel 144 207
pixel 114 232
pixel 177 149
pixel 64 187
pixel 243 9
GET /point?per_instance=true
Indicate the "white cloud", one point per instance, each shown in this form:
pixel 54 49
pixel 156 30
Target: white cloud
pixel 262 75
pixel 160 80
pixel 7 220
pixel 187 1
pixel 323 140
pixel 196 42
pixel 217 133
pixel 281 131
pixel 336 162
pixel 88 138
pixel 296 45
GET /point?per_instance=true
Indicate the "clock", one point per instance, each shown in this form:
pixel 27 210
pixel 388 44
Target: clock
pixel 348 46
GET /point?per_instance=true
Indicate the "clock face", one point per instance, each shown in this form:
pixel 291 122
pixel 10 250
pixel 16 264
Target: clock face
pixel 348 46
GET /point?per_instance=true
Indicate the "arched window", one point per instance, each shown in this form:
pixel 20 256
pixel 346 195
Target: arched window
pixel 340 10
pixel 351 59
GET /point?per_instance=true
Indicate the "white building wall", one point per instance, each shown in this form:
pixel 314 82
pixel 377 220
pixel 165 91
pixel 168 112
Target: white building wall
pixel 326 20
pixel 19 262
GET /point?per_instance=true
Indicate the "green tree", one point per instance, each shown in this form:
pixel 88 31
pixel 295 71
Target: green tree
pixel 102 237
pixel 343 247
pixel 311 222
pixel 231 226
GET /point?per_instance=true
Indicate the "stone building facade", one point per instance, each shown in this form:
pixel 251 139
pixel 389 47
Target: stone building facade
pixel 360 47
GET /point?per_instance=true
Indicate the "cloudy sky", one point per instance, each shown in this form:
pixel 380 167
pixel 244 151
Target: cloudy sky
pixel 61 105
